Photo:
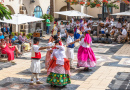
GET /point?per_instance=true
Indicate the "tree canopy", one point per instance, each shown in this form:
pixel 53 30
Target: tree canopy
pixel 4 12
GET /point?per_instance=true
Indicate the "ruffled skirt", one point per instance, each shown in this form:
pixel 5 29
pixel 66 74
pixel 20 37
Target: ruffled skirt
pixel 86 57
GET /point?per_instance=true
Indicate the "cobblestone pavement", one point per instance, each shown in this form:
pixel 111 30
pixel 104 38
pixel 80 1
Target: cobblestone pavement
pixel 112 71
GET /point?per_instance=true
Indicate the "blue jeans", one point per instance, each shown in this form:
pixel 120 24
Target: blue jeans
pixel 47 29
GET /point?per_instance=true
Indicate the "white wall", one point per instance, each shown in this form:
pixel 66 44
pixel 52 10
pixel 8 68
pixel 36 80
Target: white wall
pixel 14 4
pixel 44 4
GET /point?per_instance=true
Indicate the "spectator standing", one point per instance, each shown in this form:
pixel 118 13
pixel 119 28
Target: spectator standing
pixel 48 25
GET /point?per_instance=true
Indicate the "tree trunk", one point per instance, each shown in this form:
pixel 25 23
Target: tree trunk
pixel 108 11
pixel 52 8
pixel 68 8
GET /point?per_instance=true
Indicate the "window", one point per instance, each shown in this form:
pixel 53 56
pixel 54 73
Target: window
pixel 105 9
pixel 48 10
pixel 38 12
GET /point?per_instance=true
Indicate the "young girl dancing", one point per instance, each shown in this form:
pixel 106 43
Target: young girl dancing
pixel 86 57
pixel 59 67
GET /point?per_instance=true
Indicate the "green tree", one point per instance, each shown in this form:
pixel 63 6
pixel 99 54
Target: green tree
pixel 4 12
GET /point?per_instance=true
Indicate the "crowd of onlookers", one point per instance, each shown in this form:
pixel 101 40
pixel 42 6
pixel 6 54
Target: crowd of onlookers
pixel 107 29
pixel 14 45
pixel 9 44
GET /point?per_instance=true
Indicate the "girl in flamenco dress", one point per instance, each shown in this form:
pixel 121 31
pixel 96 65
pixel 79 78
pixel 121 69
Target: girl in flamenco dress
pixel 48 54
pixel 86 56
pixel 59 68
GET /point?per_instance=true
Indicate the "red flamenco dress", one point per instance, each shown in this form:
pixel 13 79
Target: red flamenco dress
pixel 59 68
pixel 9 52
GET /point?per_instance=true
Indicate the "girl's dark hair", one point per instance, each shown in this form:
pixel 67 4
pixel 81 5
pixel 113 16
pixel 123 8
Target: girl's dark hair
pixel 55 37
pixel 35 40
pixel 86 32
pixel 57 41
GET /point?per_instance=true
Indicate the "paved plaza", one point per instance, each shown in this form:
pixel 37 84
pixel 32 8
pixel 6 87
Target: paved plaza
pixel 112 71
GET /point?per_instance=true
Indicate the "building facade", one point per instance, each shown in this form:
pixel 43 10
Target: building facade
pixel 28 7
pixel 61 5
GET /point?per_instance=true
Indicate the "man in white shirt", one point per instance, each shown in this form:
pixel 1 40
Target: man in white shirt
pixel 62 28
pixel 123 34
pixel 118 25
pixel 71 24
pixel 109 25
pixel 87 28
pixel 125 24
pixel 72 19
pixel 90 22
pixel 98 27
pixel 114 33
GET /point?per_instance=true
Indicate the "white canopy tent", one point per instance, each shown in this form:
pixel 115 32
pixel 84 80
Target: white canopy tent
pixel 20 19
pixel 126 13
pixel 73 13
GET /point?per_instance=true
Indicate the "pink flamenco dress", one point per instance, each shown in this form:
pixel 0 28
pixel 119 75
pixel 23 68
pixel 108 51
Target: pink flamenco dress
pixel 9 52
pixel 86 56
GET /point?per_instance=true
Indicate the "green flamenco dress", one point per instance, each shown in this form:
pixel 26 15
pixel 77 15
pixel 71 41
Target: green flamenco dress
pixel 58 79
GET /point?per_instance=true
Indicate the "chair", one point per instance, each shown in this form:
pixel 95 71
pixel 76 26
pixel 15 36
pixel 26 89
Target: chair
pixel 3 56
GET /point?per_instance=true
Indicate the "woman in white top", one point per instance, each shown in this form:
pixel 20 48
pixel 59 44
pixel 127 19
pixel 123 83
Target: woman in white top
pixel 71 24
pixel 85 24
pixel 62 28
pixel 125 24
pixel 118 25
pixel 77 23
pixel 90 22
pixel 48 54
pixel 67 26
pixel 88 29
pixel 86 57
